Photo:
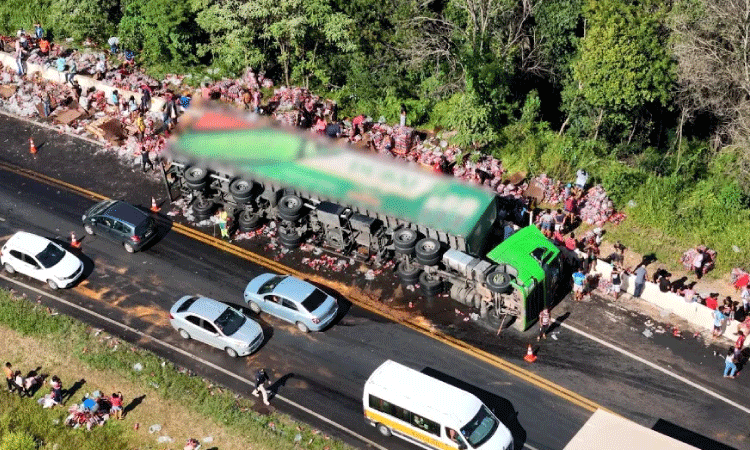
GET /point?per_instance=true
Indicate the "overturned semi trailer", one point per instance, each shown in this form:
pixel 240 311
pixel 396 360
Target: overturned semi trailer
pixel 436 228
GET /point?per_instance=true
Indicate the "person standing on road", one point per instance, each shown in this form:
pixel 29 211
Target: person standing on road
pixel 616 280
pixel 544 322
pixel 578 279
pixel 146 159
pixel 719 318
pixel 640 280
pixel 730 365
pixel 9 376
pixel 223 219
pixel 261 378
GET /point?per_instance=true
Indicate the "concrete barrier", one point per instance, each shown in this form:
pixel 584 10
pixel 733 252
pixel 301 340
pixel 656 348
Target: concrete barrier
pixel 695 313
pixel 52 74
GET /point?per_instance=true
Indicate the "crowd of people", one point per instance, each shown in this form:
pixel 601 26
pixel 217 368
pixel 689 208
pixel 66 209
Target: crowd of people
pixel 93 410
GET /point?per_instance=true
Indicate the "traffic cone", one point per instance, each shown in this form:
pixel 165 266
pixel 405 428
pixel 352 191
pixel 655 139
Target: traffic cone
pixel 32 147
pixel 74 242
pixel 530 356
pixel 154 206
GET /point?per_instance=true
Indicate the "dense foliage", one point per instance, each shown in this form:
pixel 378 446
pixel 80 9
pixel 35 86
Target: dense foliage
pixel 651 97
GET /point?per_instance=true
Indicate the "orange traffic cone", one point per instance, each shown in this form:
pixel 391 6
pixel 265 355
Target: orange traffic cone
pixel 74 242
pixel 530 356
pixel 154 206
pixel 32 147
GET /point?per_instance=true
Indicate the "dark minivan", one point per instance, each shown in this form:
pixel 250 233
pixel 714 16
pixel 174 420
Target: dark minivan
pixel 120 222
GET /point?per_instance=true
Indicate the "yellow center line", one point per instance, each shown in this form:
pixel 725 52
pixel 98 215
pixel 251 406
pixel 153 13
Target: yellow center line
pixel 494 360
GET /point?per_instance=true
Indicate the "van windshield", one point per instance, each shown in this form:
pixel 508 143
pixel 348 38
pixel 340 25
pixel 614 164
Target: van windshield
pixel 480 428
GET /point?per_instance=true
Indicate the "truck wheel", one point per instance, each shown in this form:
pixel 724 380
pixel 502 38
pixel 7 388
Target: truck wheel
pixel 290 207
pixel 248 221
pixel 498 281
pixel 408 273
pixel 428 252
pixel 241 190
pixel 195 177
pixel 404 241
pixel 202 208
pixel 290 240
pixel 431 284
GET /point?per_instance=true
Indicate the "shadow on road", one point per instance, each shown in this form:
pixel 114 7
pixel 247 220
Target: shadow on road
pixel 500 406
pixel 689 437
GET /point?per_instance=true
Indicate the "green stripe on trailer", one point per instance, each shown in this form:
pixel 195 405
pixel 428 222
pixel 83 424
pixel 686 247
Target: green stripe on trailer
pixel 308 164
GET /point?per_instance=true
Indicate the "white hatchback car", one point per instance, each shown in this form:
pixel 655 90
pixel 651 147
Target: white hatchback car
pixel 40 258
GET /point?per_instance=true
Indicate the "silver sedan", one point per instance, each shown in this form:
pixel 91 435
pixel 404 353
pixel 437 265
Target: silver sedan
pixel 291 299
pixel 215 324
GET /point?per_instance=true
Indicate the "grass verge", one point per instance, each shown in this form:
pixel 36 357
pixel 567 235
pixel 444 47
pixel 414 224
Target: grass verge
pixel 184 405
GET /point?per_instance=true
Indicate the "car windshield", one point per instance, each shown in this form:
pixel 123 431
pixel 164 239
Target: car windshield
pixel 230 321
pixel 50 255
pixel 480 428
pixel 315 299
pixel 271 284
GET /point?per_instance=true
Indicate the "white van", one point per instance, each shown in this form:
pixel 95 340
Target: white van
pixel 430 413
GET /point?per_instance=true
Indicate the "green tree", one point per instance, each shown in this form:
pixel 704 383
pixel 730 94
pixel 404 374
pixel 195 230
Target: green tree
pixel 303 34
pixel 164 33
pixel 624 71
pixel 557 23
pixel 82 19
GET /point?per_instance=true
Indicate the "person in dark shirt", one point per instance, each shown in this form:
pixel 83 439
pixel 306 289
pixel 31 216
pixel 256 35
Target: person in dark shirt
pixel 333 130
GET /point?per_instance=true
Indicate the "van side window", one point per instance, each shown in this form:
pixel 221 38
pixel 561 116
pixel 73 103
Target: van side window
pixel 390 409
pixel 425 424
pixel 381 405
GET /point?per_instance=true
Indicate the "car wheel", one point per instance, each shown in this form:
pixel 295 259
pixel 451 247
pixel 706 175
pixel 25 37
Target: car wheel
pixel 9 268
pixel 129 247
pixel 302 327
pixel 89 229
pixel 230 351
pixel 52 285
pixel 184 334
pixel 254 307
pixel 384 430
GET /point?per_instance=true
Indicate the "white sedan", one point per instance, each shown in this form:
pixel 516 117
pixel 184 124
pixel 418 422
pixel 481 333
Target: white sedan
pixel 40 258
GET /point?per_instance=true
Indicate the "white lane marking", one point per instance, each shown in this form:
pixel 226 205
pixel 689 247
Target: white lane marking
pixel 529 447
pixel 197 358
pixel 654 366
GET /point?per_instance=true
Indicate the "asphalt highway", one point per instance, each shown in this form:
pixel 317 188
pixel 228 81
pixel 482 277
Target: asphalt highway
pixel 324 372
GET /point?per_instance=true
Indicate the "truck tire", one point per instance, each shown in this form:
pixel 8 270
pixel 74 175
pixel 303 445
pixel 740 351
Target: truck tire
pixel 408 273
pixel 498 280
pixel 431 284
pixel 290 207
pixel 241 190
pixel 428 252
pixel 195 177
pixel 290 240
pixel 404 241
pixel 248 221
pixel 202 208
